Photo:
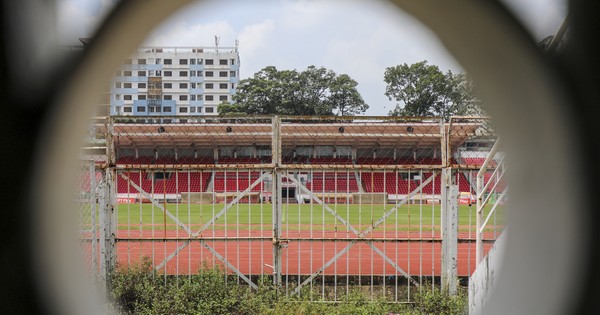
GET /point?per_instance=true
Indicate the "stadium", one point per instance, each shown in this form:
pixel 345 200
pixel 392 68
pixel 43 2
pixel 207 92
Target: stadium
pixel 325 203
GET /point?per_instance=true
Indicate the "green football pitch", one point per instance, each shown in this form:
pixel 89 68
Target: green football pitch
pixel 295 216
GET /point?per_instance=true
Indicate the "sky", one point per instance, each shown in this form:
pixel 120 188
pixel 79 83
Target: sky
pixel 360 38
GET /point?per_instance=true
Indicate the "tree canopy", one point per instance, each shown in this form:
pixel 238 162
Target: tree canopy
pixel 314 91
pixel 423 90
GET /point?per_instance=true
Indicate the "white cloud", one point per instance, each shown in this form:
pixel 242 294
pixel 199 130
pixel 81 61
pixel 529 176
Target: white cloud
pixel 254 38
pixel 181 34
pixel 357 37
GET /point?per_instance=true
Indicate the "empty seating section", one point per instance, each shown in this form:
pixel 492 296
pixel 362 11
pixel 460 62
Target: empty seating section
pixel 390 183
pixel 330 182
pixel 236 181
pixel 294 160
pixel 478 161
pixel 135 160
pixel 164 160
pixel 177 182
pixel 239 160
pixel 376 161
pixel 85 181
pixel 403 160
pixel 425 160
pixel 330 160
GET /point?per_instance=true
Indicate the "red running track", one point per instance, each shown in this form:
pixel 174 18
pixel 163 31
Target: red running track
pixel 302 257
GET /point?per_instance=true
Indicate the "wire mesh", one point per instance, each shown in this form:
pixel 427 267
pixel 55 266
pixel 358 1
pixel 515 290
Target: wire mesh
pixel 324 206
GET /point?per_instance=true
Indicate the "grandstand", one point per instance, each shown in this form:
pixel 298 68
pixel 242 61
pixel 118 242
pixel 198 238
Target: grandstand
pixel 313 198
pixel 356 150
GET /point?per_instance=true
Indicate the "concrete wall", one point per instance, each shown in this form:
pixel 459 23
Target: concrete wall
pixel 481 283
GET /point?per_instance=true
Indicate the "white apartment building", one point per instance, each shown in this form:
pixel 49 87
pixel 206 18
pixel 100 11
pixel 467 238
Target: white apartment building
pixel 169 81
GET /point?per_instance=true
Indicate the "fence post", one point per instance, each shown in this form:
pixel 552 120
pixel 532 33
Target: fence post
pixel 107 235
pixel 449 222
pixel 276 202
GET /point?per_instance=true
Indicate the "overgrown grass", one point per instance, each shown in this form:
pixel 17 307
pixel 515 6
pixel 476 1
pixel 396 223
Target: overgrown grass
pixel 140 290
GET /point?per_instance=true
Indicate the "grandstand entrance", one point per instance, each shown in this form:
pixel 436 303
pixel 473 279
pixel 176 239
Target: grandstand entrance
pixel 318 208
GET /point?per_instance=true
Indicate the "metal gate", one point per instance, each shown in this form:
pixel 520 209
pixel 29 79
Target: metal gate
pixel 323 207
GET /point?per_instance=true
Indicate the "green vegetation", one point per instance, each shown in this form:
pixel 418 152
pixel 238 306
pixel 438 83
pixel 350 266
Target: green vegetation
pixel 423 90
pixel 295 216
pixel 314 91
pixel 140 290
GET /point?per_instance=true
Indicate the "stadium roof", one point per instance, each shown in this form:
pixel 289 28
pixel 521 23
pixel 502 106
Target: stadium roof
pixel 356 134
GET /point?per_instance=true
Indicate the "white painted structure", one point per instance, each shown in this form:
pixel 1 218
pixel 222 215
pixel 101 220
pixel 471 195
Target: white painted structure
pixel 182 81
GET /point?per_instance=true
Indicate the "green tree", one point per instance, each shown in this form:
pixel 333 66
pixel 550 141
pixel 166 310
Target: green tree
pixel 314 91
pixel 423 90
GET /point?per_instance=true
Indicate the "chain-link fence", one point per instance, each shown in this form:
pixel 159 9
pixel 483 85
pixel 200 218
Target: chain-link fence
pixel 322 205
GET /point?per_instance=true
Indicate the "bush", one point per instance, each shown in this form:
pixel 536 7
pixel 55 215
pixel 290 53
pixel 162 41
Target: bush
pixel 141 290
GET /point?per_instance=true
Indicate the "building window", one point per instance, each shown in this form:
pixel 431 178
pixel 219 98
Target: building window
pixel 183 61
pixel 118 97
pixel 183 73
pixel 168 74
pixel 183 85
pixel 118 109
pixel 193 85
pixel 192 73
pixel 183 97
pixel 200 73
pixel 223 74
pixel 232 74
pixel 232 61
pixel 141 73
pixel 142 97
pixel 209 73
pixel 223 62
pixel 127 85
pixel 141 61
pixel 222 97
pixel 200 61
pixel 117 85
pixel 192 109
pixel 167 97
pixel 183 109
pixel 127 73
pixel 142 85
pixel 158 73
pixel 208 86
pixel 232 86
pixel 127 97
pixel 166 109
pixel 192 97
pixel 168 85
pixel 168 62
pixel 141 109
pixel 209 62
pixel 223 86
pixel 208 97
pixel 199 98
pixel 209 109
pixel 193 61
pixel 127 109
pixel 158 60
pixel 154 109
